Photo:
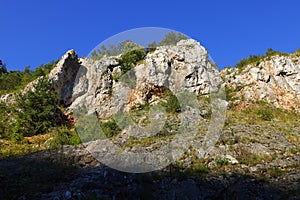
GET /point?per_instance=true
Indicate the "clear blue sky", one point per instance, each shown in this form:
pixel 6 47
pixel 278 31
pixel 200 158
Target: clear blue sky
pixel 35 32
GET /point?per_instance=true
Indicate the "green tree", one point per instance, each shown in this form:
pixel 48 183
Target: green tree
pixel 113 50
pixel 152 45
pixel 10 81
pixel 128 45
pixel 3 68
pixel 270 52
pixel 172 38
pixel 110 128
pixel 36 109
pixel 5 124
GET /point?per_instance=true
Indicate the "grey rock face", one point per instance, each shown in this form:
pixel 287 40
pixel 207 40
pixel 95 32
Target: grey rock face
pixel 276 80
pixel 63 76
pixel 183 67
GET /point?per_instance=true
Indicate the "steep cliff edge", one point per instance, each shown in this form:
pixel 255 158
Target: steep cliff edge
pixel 185 66
pixel 87 82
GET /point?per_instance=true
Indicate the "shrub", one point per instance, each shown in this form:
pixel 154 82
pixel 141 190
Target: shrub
pixel 256 59
pixel 110 128
pixel 113 50
pixel 171 104
pixel 16 137
pixel 270 52
pixel 130 59
pixel 87 126
pixel 63 136
pixel 249 60
pixel 13 80
pixel 222 161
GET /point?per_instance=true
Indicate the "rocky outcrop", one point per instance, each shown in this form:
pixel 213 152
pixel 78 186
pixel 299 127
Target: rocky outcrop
pixel 276 80
pixel 46 178
pixel 185 66
pixel 63 76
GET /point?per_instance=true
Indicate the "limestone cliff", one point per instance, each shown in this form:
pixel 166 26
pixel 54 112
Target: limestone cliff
pixel 276 80
pixel 253 158
pixel 184 66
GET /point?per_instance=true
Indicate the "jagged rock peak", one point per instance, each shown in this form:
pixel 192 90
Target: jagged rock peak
pixel 185 66
pixel 63 75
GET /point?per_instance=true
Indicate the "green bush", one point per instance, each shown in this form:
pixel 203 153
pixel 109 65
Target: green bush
pixel 127 46
pixel 16 137
pixel 110 128
pixel 14 80
pixel 87 126
pixel 113 50
pixel 64 136
pixel 249 60
pixel 130 59
pixel 222 161
pixel 171 104
pixel 256 59
pixel 270 52
pixel 10 81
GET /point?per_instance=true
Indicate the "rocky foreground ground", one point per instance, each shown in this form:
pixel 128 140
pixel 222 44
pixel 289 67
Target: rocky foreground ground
pixel 262 166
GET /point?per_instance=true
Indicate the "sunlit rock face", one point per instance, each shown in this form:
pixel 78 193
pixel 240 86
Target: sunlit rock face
pixel 96 86
pixel 63 76
pixel 276 80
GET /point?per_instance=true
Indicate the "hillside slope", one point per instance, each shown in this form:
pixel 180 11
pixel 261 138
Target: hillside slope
pixel 255 152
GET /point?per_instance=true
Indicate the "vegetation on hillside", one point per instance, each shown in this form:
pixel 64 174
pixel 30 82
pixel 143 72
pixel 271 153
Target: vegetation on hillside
pixel 11 81
pixel 113 50
pixel 256 59
pixel 126 46
pixel 37 112
pixel 131 58
pixel 171 39
pixel 32 114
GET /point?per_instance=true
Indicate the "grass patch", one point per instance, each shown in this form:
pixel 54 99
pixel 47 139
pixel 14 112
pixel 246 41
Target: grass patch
pixel 222 162
pixel 27 145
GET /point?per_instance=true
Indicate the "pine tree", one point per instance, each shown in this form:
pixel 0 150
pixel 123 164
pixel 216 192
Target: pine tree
pixel 36 109
pixel 3 69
